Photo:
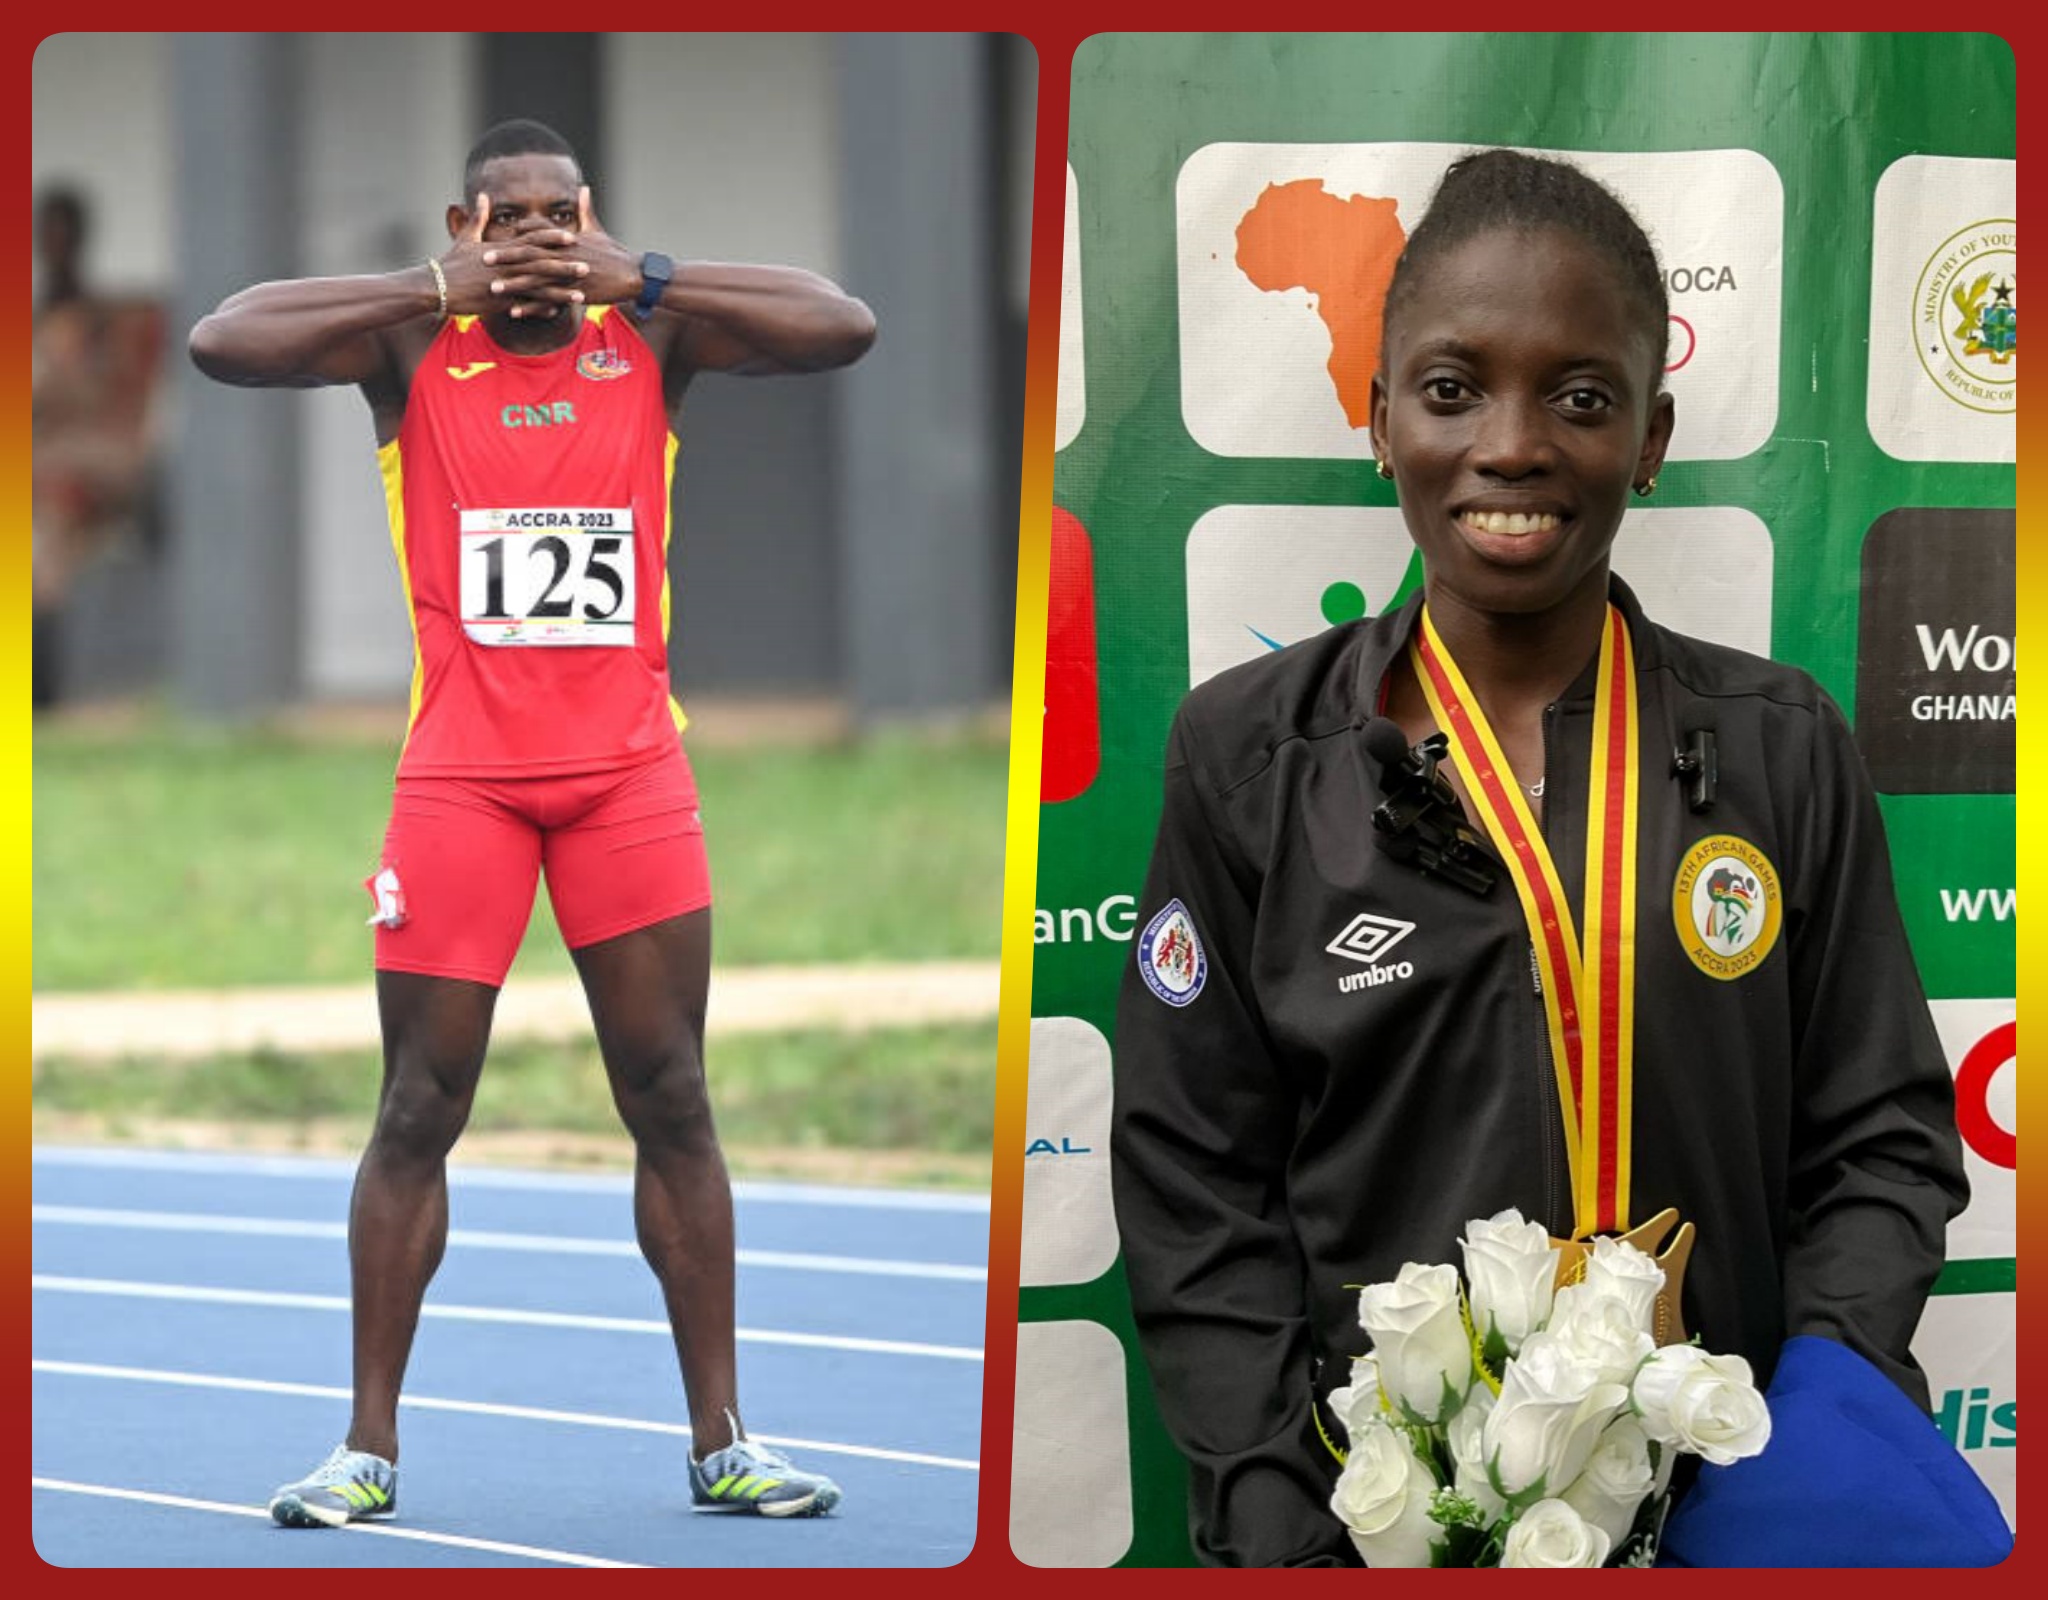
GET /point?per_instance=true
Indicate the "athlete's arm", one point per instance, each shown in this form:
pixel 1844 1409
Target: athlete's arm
pixel 762 320
pixel 1201 1134
pixel 1877 1164
pixel 304 332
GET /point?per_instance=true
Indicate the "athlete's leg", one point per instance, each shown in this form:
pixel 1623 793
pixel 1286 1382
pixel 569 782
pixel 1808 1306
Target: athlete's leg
pixel 455 887
pixel 435 1033
pixel 632 892
pixel 647 992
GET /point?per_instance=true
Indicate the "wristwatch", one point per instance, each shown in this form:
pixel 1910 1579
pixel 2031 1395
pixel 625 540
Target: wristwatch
pixel 655 272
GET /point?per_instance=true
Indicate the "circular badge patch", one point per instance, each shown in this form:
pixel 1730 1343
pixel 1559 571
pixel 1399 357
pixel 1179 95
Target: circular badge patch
pixel 1966 316
pixel 1727 905
pixel 1170 956
pixel 603 364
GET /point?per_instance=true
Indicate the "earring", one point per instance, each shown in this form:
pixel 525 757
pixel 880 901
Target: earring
pixel 1645 490
pixel 1384 469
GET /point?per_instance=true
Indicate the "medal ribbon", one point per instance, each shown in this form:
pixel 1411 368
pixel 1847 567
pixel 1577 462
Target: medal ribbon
pixel 1589 997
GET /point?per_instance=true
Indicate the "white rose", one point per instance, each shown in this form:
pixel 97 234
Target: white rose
pixel 1551 1534
pixel 1548 1418
pixel 1600 1331
pixel 1511 1265
pixel 1382 1497
pixel 1621 1270
pixel 1357 1405
pixel 1702 1403
pixel 1467 1438
pixel 1617 1480
pixel 1418 1334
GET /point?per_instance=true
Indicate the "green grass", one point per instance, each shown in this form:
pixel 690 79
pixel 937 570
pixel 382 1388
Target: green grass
pixel 174 857
pixel 929 1089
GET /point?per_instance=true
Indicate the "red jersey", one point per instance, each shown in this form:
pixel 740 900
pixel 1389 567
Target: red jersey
pixel 529 504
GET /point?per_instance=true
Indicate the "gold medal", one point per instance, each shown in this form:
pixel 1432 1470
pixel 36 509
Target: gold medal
pixel 1669 1327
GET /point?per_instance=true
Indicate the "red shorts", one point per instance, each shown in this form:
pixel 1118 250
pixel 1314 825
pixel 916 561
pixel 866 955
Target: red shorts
pixel 454 887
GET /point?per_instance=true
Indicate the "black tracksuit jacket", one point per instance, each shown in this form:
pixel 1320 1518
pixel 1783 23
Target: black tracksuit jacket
pixel 1279 1140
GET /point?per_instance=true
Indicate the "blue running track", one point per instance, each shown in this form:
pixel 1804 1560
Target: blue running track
pixel 191 1348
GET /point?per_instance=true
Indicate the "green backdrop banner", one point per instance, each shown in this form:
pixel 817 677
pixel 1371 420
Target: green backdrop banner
pixel 1835 215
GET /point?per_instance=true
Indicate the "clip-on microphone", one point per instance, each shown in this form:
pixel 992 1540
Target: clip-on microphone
pixel 1698 764
pixel 1420 821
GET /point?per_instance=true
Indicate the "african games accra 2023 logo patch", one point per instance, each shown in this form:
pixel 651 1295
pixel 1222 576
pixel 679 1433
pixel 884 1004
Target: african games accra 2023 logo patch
pixel 1727 905
pixel 1170 956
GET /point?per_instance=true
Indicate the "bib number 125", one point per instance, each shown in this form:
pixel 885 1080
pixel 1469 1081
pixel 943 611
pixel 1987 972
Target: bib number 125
pixel 550 577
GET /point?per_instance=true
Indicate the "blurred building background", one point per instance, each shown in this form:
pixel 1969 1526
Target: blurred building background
pixel 849 538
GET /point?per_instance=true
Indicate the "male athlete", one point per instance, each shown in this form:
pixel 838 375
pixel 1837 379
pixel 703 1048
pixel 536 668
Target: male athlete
pixel 525 388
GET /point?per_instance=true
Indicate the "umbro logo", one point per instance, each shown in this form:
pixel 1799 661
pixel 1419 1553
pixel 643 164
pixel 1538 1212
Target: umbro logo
pixel 463 374
pixel 1366 939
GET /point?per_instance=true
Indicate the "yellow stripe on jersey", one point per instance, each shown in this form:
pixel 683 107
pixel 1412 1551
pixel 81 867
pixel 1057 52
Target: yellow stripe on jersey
pixel 391 467
pixel 668 517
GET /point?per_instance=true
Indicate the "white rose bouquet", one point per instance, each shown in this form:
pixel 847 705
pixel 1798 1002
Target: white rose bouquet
pixel 1518 1422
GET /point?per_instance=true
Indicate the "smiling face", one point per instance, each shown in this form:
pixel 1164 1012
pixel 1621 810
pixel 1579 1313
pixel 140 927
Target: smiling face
pixel 1517 402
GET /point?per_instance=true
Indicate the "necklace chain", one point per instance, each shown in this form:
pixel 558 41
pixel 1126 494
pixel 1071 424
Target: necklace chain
pixel 1535 790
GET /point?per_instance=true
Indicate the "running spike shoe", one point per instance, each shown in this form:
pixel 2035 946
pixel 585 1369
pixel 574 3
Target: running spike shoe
pixel 349 1486
pixel 745 1476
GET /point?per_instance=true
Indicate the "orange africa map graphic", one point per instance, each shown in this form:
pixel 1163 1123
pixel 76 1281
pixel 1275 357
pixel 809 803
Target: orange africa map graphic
pixel 1342 251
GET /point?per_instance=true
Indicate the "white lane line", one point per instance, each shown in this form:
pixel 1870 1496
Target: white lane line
pixel 476 1239
pixel 482 1408
pixel 181 1502
pixel 207 1295
pixel 461 1176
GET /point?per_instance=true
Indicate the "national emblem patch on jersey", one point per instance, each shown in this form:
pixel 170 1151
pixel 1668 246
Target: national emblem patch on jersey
pixel 1727 905
pixel 601 364
pixel 1170 956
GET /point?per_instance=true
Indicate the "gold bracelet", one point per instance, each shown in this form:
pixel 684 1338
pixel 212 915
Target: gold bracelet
pixel 440 288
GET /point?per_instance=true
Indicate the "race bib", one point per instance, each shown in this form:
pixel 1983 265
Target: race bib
pixel 548 575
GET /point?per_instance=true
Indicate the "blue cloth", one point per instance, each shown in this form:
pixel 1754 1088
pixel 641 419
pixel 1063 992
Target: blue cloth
pixel 1855 1475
